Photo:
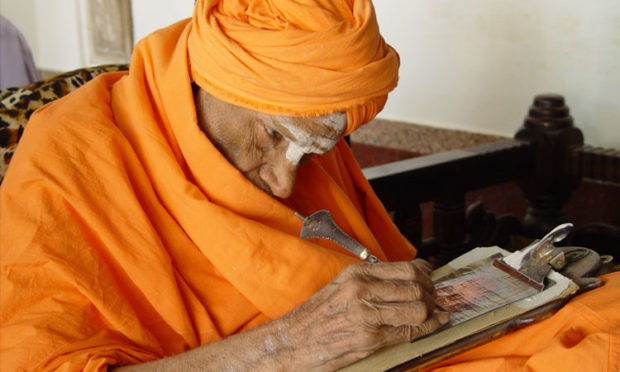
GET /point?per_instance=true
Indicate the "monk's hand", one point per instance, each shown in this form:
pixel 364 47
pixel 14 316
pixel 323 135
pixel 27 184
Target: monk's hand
pixel 366 307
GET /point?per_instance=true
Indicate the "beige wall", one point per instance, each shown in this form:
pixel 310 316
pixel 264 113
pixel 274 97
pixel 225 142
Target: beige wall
pixel 51 28
pixel 476 65
pixel 472 65
pixel 152 14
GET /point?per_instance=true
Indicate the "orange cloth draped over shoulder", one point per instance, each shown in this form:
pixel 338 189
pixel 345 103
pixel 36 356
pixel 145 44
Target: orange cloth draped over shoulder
pixel 126 236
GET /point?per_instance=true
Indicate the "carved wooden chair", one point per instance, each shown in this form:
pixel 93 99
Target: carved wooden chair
pixel 548 160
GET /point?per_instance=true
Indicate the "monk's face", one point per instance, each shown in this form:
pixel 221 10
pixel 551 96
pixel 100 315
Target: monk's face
pixel 267 149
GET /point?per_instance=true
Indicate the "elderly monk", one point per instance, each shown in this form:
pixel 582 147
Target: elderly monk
pixel 147 221
pixel 153 212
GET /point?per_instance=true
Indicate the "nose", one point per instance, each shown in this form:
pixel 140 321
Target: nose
pixel 279 174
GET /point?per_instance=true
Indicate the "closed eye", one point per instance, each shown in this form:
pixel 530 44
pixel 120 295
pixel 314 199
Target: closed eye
pixel 273 133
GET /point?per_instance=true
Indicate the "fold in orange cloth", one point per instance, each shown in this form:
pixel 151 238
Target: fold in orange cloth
pixel 127 236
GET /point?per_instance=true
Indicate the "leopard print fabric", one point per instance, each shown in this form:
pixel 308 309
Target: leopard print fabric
pixel 17 104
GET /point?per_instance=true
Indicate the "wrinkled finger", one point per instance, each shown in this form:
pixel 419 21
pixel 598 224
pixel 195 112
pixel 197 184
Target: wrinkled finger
pixel 397 291
pixel 414 331
pixel 396 314
pixel 424 265
pixel 405 271
pixel 428 269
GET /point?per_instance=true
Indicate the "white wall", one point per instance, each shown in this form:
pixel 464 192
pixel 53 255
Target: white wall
pixel 59 35
pixel 473 65
pixel 476 65
pixel 21 13
pixel 150 15
pixel 52 29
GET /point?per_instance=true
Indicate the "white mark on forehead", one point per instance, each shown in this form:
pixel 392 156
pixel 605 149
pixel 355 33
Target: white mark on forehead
pixel 306 143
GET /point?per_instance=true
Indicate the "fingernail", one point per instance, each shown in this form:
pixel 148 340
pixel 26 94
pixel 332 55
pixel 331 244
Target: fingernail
pixel 444 317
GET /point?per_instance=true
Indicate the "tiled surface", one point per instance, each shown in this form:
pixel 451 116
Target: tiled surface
pixel 370 155
pixel 416 138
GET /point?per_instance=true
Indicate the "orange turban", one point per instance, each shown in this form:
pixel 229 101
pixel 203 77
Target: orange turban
pixel 299 58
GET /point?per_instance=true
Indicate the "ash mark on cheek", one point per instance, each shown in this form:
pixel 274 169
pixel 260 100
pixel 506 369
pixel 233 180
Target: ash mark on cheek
pixel 294 153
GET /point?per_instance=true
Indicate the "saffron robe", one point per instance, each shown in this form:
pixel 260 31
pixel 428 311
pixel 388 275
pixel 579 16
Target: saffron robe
pixel 125 236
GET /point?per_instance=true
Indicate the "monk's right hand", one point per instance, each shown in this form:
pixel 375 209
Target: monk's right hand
pixel 366 307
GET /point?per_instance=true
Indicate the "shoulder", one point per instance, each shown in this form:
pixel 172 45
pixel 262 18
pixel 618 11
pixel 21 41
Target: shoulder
pixel 18 104
pixel 78 110
pixel 63 130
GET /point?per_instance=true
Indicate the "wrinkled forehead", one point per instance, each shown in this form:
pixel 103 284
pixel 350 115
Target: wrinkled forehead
pixel 306 131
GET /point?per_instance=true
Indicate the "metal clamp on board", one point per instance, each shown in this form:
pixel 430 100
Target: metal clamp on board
pixel 532 263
